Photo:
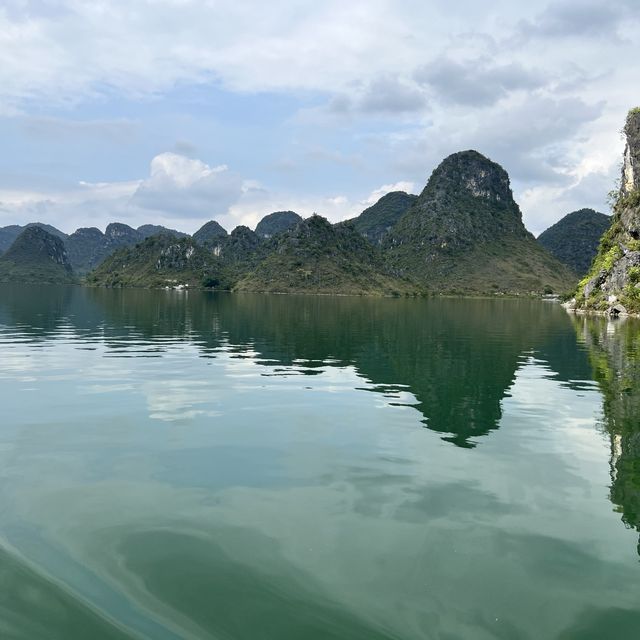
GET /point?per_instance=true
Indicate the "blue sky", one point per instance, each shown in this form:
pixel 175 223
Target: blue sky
pixel 177 111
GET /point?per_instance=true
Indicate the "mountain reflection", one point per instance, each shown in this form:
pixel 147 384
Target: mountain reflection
pixel 614 351
pixel 458 358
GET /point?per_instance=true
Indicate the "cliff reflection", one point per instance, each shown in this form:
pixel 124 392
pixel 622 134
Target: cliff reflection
pixel 614 351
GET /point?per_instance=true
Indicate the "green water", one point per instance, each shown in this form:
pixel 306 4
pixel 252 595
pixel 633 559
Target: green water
pixel 191 466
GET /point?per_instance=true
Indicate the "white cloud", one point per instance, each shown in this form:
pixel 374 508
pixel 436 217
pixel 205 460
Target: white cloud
pixel 181 186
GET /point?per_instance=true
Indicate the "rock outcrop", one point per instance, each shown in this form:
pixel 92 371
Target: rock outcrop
pixel 615 274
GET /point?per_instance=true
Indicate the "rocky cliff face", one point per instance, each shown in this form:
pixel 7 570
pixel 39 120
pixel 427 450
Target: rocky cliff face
pixel 465 233
pixel 36 256
pixel 613 284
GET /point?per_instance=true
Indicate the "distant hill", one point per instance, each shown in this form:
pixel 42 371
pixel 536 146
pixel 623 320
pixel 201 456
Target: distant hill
pixel 10 233
pixel 277 222
pixel 209 234
pixel 88 247
pixel 318 257
pixel 575 238
pixel 375 222
pixel 148 230
pixel 36 257
pixel 464 233
pixel 158 261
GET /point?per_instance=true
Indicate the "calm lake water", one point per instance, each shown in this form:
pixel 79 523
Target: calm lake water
pixel 190 465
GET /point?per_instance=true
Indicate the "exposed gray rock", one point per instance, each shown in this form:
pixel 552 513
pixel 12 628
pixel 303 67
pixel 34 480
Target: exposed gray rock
pixel 617 310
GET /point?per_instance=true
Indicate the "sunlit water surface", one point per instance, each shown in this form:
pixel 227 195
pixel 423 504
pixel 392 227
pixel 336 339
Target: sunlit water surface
pixel 189 465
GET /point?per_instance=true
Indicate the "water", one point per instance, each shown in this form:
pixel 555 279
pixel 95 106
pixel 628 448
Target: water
pixel 266 467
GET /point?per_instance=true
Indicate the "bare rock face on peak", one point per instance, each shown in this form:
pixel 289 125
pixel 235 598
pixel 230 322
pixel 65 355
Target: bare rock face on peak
pixel 465 233
pixel 613 283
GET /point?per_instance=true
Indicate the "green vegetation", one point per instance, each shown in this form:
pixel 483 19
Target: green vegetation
pixel 318 257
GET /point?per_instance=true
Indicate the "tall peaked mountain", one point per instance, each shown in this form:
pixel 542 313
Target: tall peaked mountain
pixel 210 234
pixel 277 222
pixel 36 256
pixel 375 222
pixel 160 260
pixel 575 238
pixel 316 256
pixel 10 233
pixel 613 283
pixel 465 233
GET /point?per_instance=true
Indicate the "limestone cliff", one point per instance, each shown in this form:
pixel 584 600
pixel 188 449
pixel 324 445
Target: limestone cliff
pixel 613 283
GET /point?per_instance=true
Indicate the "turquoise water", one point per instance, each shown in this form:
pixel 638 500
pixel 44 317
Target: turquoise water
pixel 193 465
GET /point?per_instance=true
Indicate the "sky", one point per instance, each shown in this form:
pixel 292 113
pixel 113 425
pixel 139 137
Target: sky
pixel 176 112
